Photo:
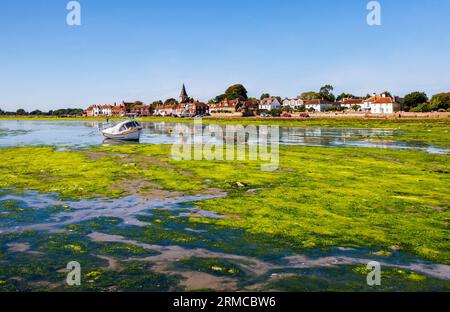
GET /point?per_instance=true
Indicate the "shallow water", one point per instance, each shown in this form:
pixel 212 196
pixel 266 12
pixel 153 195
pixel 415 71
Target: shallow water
pixel 126 209
pixel 80 134
pixel 163 222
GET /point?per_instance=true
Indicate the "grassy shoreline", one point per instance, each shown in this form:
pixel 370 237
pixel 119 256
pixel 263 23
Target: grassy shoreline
pixel 292 122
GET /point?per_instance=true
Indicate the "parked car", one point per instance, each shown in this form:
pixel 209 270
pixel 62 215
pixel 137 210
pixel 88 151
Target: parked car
pixel 304 115
pixel 264 115
pixel 286 115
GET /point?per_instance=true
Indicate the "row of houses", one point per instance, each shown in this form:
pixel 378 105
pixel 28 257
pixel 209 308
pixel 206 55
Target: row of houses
pixel 119 110
pixel 376 104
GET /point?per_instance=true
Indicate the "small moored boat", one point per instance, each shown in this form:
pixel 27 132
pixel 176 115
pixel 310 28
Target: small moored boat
pixel 127 130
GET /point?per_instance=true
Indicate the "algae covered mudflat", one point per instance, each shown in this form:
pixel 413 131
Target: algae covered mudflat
pixel 137 219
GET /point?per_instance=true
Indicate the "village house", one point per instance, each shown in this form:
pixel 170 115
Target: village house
pixel 165 110
pixel 140 110
pixel 185 107
pixel 317 105
pixel 231 106
pixel 293 103
pixel 350 103
pixel 99 110
pixel 225 106
pixel 381 104
pixel 119 110
pixel 198 108
pixel 269 104
pixel 92 111
pixel 106 110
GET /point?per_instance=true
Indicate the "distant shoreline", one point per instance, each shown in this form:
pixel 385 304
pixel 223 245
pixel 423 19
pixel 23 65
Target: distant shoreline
pixel 316 120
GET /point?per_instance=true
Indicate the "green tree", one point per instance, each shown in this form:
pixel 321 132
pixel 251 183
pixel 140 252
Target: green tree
pixel 387 93
pixel 440 101
pixel 310 95
pixel 343 95
pixel 170 101
pixel 36 112
pixel 236 92
pixel 21 112
pixel 326 93
pixel 422 108
pixel 264 96
pixel 157 103
pixel 413 100
pixel 219 98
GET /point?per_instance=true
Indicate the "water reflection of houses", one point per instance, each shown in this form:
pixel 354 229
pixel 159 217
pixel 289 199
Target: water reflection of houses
pixel 328 136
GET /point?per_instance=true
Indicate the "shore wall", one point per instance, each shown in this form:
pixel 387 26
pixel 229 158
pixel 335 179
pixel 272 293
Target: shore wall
pixel 353 115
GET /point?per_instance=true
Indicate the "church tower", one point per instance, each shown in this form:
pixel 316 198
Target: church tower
pixel 184 98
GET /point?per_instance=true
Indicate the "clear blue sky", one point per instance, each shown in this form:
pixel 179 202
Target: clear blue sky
pixel 144 49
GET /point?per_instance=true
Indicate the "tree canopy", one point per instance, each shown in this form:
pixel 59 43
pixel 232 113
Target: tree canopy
pixel 170 101
pixel 264 96
pixel 311 95
pixel 157 103
pixel 344 95
pixel 440 101
pixel 236 92
pixel 413 100
pixel 326 93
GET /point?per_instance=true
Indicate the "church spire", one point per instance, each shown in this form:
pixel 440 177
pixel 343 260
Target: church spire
pixel 183 95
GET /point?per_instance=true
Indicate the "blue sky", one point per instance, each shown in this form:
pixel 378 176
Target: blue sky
pixel 145 49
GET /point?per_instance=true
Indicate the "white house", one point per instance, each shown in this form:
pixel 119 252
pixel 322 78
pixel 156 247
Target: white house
pixel 317 105
pixel 105 110
pixel 381 104
pixel 269 104
pixel 293 103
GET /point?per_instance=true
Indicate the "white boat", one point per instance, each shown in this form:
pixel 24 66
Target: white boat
pixel 128 130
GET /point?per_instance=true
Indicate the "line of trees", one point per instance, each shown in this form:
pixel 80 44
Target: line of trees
pixel 419 102
pixel 57 113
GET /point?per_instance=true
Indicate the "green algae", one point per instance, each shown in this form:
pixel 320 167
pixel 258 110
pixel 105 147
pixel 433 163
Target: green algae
pixel 133 276
pixel 320 197
pixel 16 213
pixel 42 268
pixel 125 251
pixel 353 279
pixel 214 266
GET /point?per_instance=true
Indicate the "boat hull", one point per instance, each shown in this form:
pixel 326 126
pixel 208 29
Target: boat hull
pixel 125 136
